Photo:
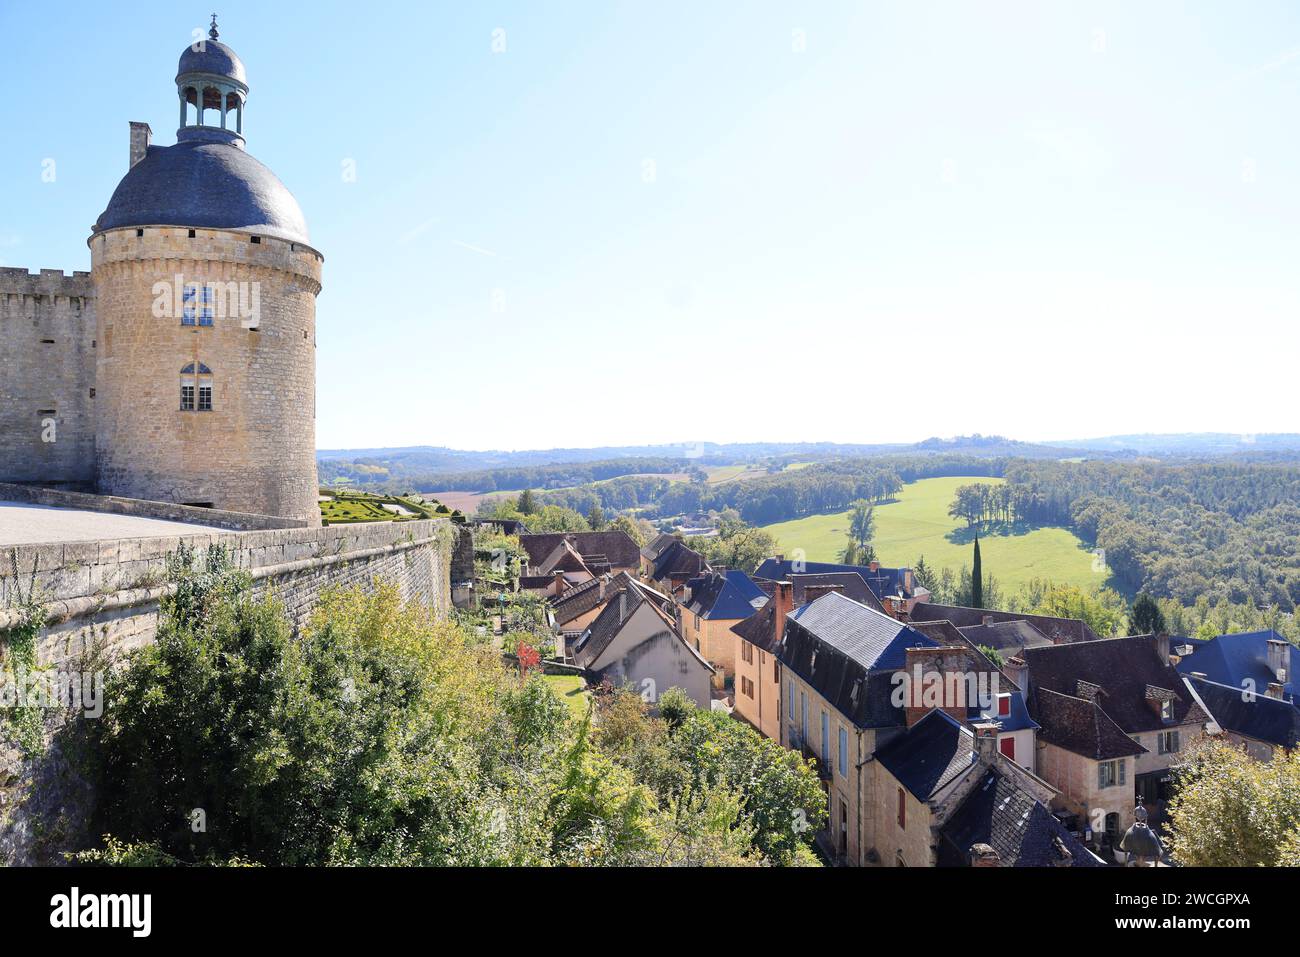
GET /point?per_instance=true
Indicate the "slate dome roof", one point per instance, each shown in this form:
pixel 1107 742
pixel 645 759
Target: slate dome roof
pixel 200 183
pixel 216 58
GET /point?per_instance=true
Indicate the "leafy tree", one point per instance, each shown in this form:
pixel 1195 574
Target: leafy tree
pixel 596 518
pixel 1146 618
pixel 737 544
pixel 527 503
pixel 1229 810
pixel 639 531
pixel 862 523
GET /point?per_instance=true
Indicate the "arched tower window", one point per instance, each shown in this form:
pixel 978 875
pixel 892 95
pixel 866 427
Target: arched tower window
pixel 196 388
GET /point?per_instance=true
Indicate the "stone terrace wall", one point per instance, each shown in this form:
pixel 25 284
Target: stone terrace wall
pixel 102 600
pixel 168 511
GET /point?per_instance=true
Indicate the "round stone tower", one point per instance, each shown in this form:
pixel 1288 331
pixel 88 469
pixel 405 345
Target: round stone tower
pixel 206 287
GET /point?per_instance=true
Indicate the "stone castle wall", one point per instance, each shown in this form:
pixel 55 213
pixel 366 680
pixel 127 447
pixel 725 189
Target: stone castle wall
pixel 254 451
pixel 102 598
pixel 47 377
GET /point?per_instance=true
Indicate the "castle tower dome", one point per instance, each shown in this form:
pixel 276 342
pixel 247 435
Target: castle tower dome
pixel 205 288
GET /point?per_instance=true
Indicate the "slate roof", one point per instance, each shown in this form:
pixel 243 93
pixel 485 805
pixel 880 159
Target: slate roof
pixel 1009 638
pixel 759 629
pixel 1271 720
pixel 732 595
pixel 1082 727
pixel 207 184
pixel 581 599
pixel 852 584
pixel 1235 659
pixel 211 57
pixel 883 582
pixel 1128 673
pixel 929 755
pixel 1012 821
pixel 615 546
pixel 656 546
pixel 848 652
pixel 1059 630
pixel 677 559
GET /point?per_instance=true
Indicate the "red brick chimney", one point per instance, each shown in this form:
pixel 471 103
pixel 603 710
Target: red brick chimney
pixel 558 583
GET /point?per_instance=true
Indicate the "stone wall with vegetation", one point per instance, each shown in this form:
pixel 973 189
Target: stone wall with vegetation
pixel 96 601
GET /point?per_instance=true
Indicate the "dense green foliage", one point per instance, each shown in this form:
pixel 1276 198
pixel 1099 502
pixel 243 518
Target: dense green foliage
pixel 382 736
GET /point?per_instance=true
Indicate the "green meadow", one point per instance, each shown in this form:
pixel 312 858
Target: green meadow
pixel 917 523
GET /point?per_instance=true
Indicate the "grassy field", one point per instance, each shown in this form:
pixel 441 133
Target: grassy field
pixel 574 692
pixel 918 524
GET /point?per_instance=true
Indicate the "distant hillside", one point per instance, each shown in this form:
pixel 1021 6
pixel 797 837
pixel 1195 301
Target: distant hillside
pixel 1191 444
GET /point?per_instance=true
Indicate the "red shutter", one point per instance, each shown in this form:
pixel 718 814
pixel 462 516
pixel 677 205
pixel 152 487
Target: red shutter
pixel 1004 705
pixel 1008 747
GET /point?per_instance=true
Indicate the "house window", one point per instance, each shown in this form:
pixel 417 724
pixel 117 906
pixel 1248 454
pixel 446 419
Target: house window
pixel 844 753
pixel 1004 705
pixel 1007 746
pixel 803 715
pixel 902 810
pixel 826 737
pixel 1111 773
pixel 196 305
pixel 747 652
pixel 790 709
pixel 1166 710
pixel 746 687
pixel 1167 742
pixel 776 671
pixel 196 388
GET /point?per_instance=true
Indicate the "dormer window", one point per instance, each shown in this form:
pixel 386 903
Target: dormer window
pixel 196 388
pixel 1166 710
pixel 1004 705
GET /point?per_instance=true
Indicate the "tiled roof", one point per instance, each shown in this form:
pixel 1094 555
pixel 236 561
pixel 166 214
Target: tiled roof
pixel 1257 716
pixel 728 596
pixel 618 610
pixel 929 754
pixel 758 629
pixel 1123 669
pixel 1008 637
pixel 1057 629
pixel 1235 659
pixel 883 582
pixel 1013 822
pixel 848 652
pixel 616 546
pixel 1082 727
pixel 581 599
pixel 656 546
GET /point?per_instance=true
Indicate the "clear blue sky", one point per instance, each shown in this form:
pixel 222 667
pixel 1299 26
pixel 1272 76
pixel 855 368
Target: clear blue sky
pixel 1039 219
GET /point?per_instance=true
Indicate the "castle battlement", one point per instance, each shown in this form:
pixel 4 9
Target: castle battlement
pixel 16 281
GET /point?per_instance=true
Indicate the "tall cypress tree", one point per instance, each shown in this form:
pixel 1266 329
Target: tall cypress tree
pixel 977 579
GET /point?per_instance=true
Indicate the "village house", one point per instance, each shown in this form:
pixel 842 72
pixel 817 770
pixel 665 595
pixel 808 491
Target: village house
pixel 895 587
pixel 674 567
pixel 559 560
pixel 710 605
pixel 949 797
pixel 636 642
pixel 1261 725
pixel 1115 716
pixel 1260 662
pixel 1057 630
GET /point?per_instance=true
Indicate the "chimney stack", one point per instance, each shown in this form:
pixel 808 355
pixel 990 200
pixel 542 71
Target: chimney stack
pixel 812 592
pixel 1279 656
pixel 986 740
pixel 986 619
pixel 141 137
pixel 783 604
pixel 558 581
pixel 982 855
pixel 1162 648
pixel 874 566
pixel 1274 690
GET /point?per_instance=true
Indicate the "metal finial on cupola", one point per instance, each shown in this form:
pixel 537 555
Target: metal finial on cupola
pixel 212 31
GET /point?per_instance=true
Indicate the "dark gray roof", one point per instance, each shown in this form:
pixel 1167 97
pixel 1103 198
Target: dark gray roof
pixel 852 584
pixel 1013 822
pixel 1057 629
pixel 1256 715
pixel 614 547
pixel 929 754
pixel 1011 637
pixel 213 185
pixel 215 58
